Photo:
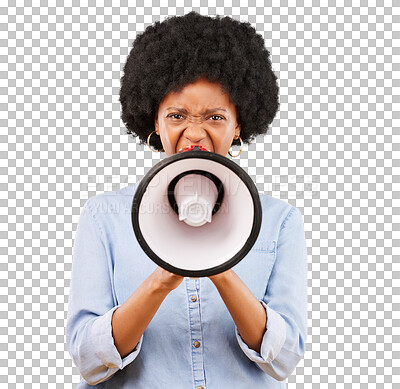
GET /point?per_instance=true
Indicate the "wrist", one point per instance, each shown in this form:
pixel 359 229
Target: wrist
pixel 157 286
pixel 163 281
pixel 221 278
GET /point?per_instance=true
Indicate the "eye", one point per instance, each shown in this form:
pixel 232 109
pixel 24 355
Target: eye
pixel 218 116
pixel 174 114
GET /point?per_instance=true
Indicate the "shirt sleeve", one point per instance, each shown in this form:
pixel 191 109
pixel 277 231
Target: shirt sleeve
pixel 285 302
pixel 91 305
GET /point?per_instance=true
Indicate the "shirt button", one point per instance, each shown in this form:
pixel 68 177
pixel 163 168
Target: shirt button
pixel 196 344
pixel 200 387
pixel 193 298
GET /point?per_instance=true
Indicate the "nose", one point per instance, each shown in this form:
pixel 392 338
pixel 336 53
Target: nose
pixel 195 133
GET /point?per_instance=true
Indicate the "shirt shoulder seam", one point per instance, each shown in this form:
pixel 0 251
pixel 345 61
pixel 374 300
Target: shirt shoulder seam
pixel 288 216
pixel 92 214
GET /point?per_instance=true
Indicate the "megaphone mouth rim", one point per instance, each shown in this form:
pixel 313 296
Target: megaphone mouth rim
pixel 243 176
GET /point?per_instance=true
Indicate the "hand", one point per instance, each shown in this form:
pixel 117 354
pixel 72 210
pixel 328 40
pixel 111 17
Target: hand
pixel 166 280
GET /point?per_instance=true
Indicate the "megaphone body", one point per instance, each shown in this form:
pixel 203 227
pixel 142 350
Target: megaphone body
pixel 196 213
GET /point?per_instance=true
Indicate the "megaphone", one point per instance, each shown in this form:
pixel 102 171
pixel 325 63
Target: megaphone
pixel 196 213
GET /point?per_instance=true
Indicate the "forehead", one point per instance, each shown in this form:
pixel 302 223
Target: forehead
pixel 199 95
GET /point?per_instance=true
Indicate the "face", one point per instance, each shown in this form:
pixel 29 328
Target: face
pixel 200 114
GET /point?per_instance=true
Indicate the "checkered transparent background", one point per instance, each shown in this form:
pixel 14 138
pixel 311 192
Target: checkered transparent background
pixel 330 152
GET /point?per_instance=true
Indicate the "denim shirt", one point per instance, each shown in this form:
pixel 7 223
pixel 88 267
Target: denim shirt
pixel 109 265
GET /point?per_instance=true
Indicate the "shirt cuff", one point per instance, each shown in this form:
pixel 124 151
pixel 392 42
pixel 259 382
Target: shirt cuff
pixel 104 347
pixel 273 339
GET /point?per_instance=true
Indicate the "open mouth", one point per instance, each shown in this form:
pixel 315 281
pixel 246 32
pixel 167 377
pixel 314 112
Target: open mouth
pixel 190 147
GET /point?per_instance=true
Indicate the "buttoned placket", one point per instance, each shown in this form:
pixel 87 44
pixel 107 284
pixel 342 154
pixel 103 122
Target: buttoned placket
pixel 196 335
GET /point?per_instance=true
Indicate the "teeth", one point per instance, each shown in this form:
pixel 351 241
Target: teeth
pixel 182 148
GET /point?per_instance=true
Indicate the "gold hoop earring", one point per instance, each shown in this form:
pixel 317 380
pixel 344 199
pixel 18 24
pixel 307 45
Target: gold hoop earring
pixel 241 147
pixel 148 143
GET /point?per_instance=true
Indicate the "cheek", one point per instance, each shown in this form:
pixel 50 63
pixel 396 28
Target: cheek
pixel 173 135
pixel 222 136
pixel 167 132
pixel 222 141
pixel 169 136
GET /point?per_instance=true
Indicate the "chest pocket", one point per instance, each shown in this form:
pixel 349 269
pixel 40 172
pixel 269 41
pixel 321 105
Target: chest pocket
pixel 256 267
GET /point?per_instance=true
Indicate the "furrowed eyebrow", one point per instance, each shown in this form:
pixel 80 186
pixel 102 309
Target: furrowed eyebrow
pixel 183 110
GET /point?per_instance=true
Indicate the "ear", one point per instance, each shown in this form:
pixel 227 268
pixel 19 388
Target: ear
pixel 237 130
pixel 156 124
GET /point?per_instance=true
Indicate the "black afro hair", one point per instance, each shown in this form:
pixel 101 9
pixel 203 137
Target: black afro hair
pixel 169 55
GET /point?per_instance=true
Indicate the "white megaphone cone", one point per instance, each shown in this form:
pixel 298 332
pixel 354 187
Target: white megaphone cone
pixel 196 213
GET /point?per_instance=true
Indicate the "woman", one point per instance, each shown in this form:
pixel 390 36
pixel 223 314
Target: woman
pixel 190 80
